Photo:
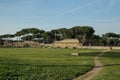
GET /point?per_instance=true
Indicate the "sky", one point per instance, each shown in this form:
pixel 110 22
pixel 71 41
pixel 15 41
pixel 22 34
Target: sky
pixel 102 15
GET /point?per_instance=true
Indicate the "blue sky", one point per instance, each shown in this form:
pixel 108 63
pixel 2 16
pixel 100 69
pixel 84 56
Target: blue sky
pixel 102 15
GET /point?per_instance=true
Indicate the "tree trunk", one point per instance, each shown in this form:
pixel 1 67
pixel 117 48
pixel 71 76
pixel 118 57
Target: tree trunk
pixel 84 39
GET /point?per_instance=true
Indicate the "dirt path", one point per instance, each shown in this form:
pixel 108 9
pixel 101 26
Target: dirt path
pixel 98 67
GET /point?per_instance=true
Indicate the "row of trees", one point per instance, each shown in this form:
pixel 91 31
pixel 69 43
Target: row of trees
pixel 85 34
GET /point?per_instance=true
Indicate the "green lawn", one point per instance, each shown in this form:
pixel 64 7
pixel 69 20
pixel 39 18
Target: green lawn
pixel 44 64
pixel 111 68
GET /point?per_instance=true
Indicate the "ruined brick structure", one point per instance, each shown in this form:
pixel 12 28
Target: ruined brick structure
pixel 67 43
pixel 21 44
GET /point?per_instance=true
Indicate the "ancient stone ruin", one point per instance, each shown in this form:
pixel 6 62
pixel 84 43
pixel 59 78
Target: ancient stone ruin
pixel 75 54
pixel 67 43
pixel 21 44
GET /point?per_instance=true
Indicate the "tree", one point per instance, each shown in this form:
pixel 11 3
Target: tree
pixel 110 35
pixel 1 41
pixel 111 39
pixel 83 33
pixel 48 37
pixel 29 33
pixel 61 33
pixel 18 35
pixel 8 36
pixel 76 31
pixel 30 30
pixel 27 38
pixel 94 40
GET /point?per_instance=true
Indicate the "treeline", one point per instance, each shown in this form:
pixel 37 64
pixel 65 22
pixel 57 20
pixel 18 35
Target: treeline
pixel 85 34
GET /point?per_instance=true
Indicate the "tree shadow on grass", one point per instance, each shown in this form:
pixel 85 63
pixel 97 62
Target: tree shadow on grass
pixel 44 65
pixel 90 54
pixel 17 62
pixel 109 54
pixel 112 54
pixel 108 65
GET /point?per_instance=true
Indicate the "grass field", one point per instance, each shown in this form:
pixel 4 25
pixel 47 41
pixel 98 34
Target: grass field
pixel 44 64
pixel 111 68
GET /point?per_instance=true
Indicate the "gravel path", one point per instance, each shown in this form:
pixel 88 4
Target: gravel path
pixel 98 67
